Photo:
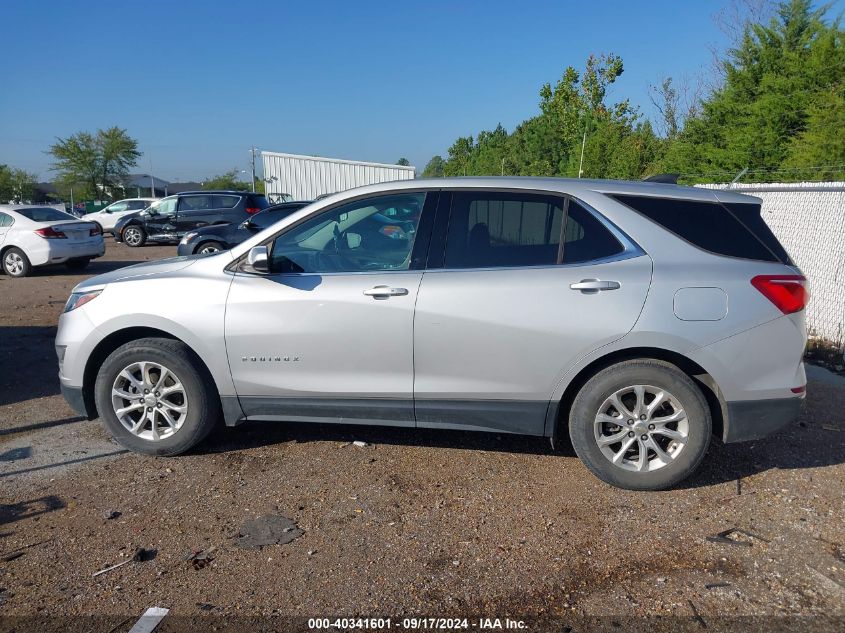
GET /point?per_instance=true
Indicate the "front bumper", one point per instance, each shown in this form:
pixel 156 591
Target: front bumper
pixel 755 419
pixel 74 397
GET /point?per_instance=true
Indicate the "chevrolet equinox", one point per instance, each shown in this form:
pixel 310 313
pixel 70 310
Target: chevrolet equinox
pixel 638 318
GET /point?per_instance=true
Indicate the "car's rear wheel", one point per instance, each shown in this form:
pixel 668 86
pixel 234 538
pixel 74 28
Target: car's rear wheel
pixel 16 263
pixel 155 397
pixel 641 425
pixel 77 264
pixel 134 235
pixel 209 247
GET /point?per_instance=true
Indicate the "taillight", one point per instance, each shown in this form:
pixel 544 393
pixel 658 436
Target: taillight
pixel 51 233
pixel 95 231
pixel 787 292
pixel 252 210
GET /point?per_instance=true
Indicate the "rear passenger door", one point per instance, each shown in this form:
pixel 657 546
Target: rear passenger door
pixel 518 287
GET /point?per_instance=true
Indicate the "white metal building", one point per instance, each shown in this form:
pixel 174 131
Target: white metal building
pixel 306 177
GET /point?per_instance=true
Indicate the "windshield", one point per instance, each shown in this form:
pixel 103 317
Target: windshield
pixel 45 214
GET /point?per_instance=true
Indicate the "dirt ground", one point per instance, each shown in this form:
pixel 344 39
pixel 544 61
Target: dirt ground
pixel 415 523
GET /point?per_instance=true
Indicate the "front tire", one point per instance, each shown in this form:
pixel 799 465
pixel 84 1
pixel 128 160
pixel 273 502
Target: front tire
pixel 640 425
pixel 209 247
pixel 16 263
pixel 155 397
pixel 134 236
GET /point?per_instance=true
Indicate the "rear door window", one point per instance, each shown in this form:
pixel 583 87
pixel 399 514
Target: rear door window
pixel 6 220
pixel 491 229
pixel 190 204
pixel 586 239
pixel 711 226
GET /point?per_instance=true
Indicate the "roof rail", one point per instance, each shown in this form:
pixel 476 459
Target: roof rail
pixel 666 179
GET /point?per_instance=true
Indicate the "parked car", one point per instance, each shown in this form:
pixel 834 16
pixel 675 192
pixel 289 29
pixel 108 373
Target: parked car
pixel 222 237
pixel 539 306
pixel 168 219
pixel 37 236
pixel 109 216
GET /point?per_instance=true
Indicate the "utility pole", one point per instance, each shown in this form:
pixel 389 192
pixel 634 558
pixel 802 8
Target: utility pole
pixel 252 151
pixel 503 165
pixel 583 143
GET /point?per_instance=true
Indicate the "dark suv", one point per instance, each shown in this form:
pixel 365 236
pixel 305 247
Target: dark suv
pixel 168 219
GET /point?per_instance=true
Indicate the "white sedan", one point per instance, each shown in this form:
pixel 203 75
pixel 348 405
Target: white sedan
pixel 109 216
pixel 37 236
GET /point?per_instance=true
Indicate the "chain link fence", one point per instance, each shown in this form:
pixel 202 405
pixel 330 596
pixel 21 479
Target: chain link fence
pixel 809 220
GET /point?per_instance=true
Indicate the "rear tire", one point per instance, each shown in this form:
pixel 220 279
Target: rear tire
pixel 156 397
pixel 77 264
pixel 640 425
pixel 16 263
pixel 209 247
pixel 134 236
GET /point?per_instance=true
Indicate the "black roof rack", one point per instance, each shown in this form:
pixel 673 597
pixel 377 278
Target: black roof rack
pixel 666 179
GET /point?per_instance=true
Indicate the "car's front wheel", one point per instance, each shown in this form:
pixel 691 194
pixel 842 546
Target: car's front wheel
pixel 209 247
pixel 641 425
pixel 155 397
pixel 16 263
pixel 134 235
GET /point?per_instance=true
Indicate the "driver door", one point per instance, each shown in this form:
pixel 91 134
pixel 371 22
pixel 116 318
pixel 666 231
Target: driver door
pixel 327 335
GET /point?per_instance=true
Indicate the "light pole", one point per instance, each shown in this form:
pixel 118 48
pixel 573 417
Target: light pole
pixel 252 151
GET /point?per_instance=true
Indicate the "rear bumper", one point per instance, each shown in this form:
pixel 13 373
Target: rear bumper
pixel 755 419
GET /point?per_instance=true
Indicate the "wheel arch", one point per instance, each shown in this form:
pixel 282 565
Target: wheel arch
pixel 557 419
pixel 109 344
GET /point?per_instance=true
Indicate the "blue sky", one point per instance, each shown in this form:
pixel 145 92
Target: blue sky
pixel 198 83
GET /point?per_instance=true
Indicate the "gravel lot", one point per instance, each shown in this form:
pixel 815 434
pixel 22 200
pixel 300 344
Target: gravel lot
pixel 413 523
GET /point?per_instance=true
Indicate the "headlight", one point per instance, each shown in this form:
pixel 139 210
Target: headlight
pixel 189 236
pixel 79 299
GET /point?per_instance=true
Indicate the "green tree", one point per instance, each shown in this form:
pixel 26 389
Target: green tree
pixel 434 167
pixel 404 162
pixel 227 180
pixel 780 104
pixel 16 185
pixel 94 163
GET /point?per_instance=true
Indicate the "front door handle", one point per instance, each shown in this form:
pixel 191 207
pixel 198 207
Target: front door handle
pixel 385 291
pixel 594 285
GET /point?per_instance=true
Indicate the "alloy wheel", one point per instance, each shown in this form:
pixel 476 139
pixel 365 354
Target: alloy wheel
pixel 149 400
pixel 132 236
pixel 641 428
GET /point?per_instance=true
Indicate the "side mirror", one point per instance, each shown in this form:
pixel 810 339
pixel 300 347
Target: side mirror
pixel 257 260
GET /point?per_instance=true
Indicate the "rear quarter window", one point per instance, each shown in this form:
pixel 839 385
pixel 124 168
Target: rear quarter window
pixel 711 226
pixel 226 202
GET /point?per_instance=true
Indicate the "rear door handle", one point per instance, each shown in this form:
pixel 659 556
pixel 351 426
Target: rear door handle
pixel 594 285
pixel 385 291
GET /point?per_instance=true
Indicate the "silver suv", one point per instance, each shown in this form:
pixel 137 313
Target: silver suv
pixel 638 318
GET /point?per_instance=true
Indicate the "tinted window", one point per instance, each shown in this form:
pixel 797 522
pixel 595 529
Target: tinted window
pixel 196 203
pixel 137 205
pixel 585 238
pixel 226 202
pixel 750 215
pixel 708 225
pixel 45 214
pixel 270 216
pixel 355 237
pixel 503 229
pixel 6 220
